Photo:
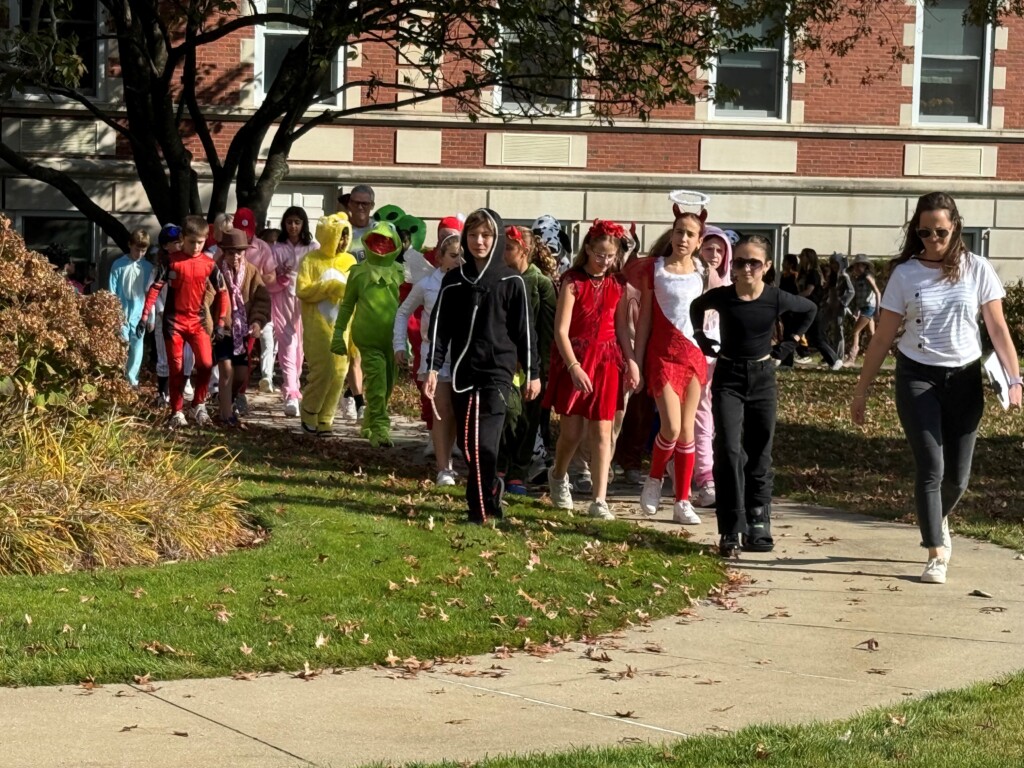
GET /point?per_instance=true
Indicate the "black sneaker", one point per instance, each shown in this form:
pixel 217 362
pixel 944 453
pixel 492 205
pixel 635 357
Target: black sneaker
pixel 729 545
pixel 499 497
pixel 758 537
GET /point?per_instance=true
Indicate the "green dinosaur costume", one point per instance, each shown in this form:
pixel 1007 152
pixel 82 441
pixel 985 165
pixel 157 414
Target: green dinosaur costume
pixel 372 295
pixel 320 285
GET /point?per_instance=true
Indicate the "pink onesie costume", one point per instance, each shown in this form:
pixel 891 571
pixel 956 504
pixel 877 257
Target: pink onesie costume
pixel 286 312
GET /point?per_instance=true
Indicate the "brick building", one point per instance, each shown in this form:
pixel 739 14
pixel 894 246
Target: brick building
pixel 832 167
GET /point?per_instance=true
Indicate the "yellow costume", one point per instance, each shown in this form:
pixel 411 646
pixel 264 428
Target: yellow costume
pixel 320 286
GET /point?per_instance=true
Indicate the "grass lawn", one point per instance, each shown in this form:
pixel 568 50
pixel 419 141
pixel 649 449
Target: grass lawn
pixel 980 727
pixel 360 561
pixel 822 457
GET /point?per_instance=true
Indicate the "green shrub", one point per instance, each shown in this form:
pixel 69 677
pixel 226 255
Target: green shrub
pixel 84 492
pixel 56 347
pixel 1013 309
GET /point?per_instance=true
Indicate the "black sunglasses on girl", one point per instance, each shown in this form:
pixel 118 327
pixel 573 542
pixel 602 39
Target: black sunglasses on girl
pixel 924 233
pixel 755 265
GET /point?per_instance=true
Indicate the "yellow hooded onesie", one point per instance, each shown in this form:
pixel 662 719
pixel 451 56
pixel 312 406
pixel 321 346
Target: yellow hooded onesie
pixel 320 286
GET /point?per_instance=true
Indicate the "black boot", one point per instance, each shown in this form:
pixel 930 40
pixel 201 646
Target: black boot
pixel 729 545
pixel 758 537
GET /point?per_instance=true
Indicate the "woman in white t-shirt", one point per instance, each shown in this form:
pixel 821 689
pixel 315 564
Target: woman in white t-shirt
pixel 937 288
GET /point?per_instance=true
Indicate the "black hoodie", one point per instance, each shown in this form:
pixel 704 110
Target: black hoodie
pixel 484 317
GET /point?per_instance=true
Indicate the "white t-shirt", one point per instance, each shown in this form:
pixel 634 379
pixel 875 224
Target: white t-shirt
pixel 941 317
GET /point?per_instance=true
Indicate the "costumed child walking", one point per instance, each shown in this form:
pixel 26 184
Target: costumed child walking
pixel 866 300
pixel 482 316
pixel 320 286
pixel 371 303
pixel 423 295
pixel 673 367
pixel 744 392
pixel 585 388
pixel 250 309
pixel 130 278
pixel 188 274
pixel 286 312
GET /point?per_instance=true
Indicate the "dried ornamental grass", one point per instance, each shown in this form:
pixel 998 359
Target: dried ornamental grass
pixel 80 493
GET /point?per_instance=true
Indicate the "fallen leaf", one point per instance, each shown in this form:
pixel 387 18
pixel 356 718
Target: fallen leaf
pixel 366 639
pixel 869 645
pixel 306 673
pixel 899 720
pixel 180 733
pixel 629 714
pixel 223 616
pixel 979 593
pixel 321 640
pixel 430 523
pixel 160 649
pixel 28 620
pixel 86 598
pixel 138 592
pixel 141 679
pixel 245 649
pixel 128 728
pixel 245 675
pixel 89 684
pixel 226 590
pixel 392 587
pixel 761 752
pixel 457 722
pixel 875 671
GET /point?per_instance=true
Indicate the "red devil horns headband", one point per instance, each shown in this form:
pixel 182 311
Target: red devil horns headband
pixel 605 228
pixel 513 234
pixel 679 213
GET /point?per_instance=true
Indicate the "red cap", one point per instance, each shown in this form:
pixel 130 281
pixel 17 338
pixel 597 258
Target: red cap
pixel 245 221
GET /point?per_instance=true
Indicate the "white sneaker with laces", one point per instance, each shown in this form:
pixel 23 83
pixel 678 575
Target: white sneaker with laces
pixel 266 386
pixel 445 477
pixel 291 407
pixel 650 496
pixel 200 416
pixel 360 412
pixel 348 408
pixel 188 392
pixel 560 490
pixel 584 482
pixel 837 365
pixel 705 496
pixel 947 540
pixel 178 420
pixel 599 509
pixel 683 513
pixel 935 571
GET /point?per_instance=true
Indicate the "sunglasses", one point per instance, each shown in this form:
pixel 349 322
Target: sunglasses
pixel 924 233
pixel 755 265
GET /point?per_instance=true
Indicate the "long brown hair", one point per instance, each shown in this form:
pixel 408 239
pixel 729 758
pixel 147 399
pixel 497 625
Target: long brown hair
pixel 602 230
pixel 663 245
pixel 952 259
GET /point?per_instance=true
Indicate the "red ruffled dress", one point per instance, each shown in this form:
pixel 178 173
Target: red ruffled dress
pixel 672 357
pixel 592 335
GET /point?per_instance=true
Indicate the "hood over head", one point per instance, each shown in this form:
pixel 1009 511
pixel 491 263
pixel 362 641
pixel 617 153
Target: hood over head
pixel 838 261
pixel 722 275
pixel 382 244
pixel 334 233
pixel 469 269
pixel 389 213
pixel 415 227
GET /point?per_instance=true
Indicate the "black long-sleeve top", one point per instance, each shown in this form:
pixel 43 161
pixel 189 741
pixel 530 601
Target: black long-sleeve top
pixel 746 326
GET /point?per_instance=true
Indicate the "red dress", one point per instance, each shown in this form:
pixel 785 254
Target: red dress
pixel 593 340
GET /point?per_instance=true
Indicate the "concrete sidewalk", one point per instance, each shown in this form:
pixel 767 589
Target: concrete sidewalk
pixel 832 622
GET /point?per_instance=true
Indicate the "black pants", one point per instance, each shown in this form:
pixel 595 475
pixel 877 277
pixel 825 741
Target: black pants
pixel 519 437
pixel 479 419
pixel 815 339
pixel 940 409
pixel 743 404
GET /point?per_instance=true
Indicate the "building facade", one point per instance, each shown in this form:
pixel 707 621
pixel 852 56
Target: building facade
pixel 835 166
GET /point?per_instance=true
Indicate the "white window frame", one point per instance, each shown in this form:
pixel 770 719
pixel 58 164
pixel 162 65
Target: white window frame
pixel 985 107
pixel 716 112
pixel 337 79
pixel 531 110
pixel 102 91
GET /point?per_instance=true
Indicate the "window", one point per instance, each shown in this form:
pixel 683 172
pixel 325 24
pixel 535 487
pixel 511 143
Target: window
pixel 952 65
pixel 80 20
pixel 74 233
pixel 752 83
pixel 273 41
pixel 531 83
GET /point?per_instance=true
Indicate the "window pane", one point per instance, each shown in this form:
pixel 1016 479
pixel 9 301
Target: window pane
pixel 533 68
pixel 79 20
pixel 301 8
pixel 74 234
pixel 275 48
pixel 951 89
pixel 945 33
pixel 753 79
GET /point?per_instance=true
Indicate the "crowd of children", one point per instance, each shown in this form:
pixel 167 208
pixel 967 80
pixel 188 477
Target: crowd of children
pixel 673 352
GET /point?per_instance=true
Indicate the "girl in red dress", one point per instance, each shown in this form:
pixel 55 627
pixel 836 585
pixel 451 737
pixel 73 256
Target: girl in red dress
pixel 585 382
pixel 674 367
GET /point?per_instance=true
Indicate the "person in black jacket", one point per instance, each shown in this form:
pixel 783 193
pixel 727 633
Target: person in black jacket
pixel 482 315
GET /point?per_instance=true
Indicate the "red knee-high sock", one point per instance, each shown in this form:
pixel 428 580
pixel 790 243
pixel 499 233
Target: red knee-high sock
pixel 660 455
pixel 684 460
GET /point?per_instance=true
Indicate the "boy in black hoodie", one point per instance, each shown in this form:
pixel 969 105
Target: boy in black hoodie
pixel 482 315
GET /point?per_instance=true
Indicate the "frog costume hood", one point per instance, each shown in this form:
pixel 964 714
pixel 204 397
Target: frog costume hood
pixel 382 244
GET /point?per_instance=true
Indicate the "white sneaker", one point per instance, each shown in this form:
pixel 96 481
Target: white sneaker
pixel 947 540
pixel 428 449
pixel 291 407
pixel 560 490
pixel 445 477
pixel 266 386
pixel 837 365
pixel 802 360
pixel 242 404
pixel 599 509
pixel 650 496
pixel 188 392
pixel 200 416
pixel 360 411
pixel 705 496
pixel 934 572
pixel 584 482
pixel 178 420
pixel 683 513
pixel 348 408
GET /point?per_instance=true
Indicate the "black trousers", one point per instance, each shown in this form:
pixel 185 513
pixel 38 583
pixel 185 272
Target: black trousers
pixel 743 405
pixel 479 419
pixel 940 410
pixel 815 339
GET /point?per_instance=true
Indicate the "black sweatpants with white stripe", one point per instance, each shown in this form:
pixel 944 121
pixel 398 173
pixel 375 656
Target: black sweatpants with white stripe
pixel 480 418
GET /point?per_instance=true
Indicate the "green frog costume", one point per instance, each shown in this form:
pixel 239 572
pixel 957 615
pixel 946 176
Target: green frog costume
pixel 320 286
pixel 371 303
